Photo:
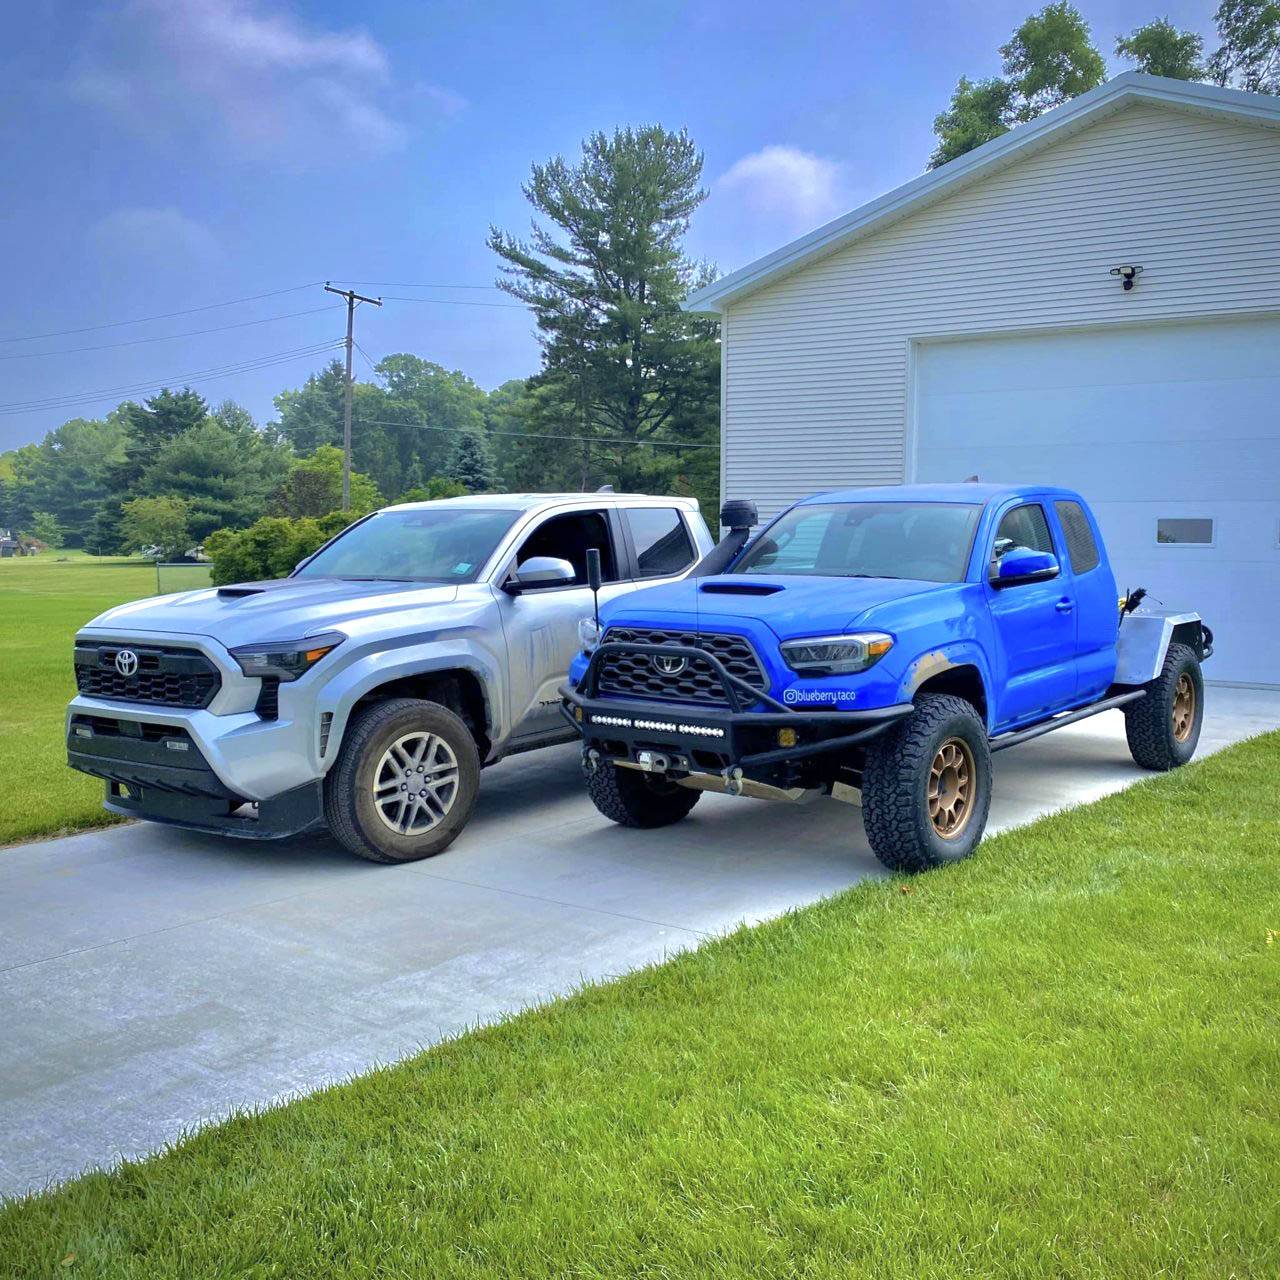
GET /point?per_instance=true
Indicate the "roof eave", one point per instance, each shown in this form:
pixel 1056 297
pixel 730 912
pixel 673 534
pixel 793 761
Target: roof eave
pixel 1125 90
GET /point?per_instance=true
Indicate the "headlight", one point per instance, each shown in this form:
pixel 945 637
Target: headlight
pixel 836 655
pixel 589 631
pixel 286 659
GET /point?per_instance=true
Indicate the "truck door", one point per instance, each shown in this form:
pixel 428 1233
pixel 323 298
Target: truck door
pixel 1034 623
pixel 1097 611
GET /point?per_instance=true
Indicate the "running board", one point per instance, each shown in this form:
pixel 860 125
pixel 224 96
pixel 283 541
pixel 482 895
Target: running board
pixel 1068 717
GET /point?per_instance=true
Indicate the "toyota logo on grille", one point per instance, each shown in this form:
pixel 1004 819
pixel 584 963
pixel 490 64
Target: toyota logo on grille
pixel 127 663
pixel 669 666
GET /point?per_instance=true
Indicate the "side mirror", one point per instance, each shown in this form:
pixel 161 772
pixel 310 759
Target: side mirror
pixel 1021 564
pixel 541 571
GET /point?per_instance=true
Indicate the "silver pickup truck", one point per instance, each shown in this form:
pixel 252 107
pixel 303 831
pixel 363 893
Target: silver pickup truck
pixel 370 687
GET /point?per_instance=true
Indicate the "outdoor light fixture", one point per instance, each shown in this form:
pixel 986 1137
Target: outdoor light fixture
pixel 1128 273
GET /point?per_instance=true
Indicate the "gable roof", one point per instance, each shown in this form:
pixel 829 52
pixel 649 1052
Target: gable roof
pixel 1131 88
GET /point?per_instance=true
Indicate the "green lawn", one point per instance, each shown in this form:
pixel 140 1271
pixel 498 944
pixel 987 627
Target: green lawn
pixel 1059 1059
pixel 43 600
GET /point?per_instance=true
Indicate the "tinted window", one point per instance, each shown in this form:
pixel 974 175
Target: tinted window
pixel 425 544
pixel 1186 532
pixel 1082 549
pixel 1022 527
pixel 661 540
pixel 927 542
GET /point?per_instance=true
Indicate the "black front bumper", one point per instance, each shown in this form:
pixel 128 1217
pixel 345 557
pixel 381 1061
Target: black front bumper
pixel 157 772
pixel 707 739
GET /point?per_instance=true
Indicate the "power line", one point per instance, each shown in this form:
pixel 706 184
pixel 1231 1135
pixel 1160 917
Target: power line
pixel 453 302
pixel 167 337
pixel 533 435
pixel 216 371
pixel 368 359
pixel 400 284
pixel 168 315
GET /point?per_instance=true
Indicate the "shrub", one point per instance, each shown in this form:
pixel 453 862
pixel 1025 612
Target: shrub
pixel 269 548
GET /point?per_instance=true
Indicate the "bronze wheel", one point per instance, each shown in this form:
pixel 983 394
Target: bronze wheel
pixel 1184 707
pixel 951 788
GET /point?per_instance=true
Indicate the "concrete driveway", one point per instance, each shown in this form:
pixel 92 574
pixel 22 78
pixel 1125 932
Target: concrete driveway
pixel 152 981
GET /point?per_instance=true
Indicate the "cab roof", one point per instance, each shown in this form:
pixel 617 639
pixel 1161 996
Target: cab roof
pixel 533 501
pixel 971 492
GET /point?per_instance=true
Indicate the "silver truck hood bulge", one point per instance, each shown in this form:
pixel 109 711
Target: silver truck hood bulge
pixel 264 611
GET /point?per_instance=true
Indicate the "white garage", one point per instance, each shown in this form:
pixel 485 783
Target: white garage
pixel 970 323
pixel 1165 427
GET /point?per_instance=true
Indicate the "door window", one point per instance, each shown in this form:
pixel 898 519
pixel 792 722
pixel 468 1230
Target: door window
pixel 1024 526
pixel 1082 547
pixel 661 540
pixel 568 537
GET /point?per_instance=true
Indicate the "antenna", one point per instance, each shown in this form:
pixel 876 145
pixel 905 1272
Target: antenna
pixel 593 579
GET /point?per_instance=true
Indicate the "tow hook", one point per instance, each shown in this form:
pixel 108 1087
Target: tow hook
pixel 733 781
pixel 590 760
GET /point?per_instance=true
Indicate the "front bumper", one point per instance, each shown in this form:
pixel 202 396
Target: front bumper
pixel 157 771
pixel 703 739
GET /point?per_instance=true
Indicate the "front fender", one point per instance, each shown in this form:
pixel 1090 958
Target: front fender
pixel 948 657
pixel 364 675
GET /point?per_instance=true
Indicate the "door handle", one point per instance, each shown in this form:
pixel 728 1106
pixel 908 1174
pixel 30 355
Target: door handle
pixel 1064 606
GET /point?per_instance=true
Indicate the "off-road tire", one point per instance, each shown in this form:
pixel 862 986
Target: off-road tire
pixel 348 789
pixel 896 779
pixel 1149 722
pixel 635 799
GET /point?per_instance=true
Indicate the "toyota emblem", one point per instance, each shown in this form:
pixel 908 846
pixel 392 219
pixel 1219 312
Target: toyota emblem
pixel 127 663
pixel 668 666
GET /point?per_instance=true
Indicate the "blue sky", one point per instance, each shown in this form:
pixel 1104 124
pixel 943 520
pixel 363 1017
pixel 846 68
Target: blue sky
pixel 162 155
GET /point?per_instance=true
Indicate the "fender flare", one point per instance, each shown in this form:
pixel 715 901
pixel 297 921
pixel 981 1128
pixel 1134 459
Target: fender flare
pixel 342 693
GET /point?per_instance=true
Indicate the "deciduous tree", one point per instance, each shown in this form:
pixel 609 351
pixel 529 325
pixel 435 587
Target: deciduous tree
pixel 1160 49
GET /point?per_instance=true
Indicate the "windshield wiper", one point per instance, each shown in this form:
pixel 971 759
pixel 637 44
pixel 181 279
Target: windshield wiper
pixel 892 577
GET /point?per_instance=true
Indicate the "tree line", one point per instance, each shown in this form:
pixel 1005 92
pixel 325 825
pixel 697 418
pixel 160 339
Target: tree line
pixel 627 393
pixel 1051 58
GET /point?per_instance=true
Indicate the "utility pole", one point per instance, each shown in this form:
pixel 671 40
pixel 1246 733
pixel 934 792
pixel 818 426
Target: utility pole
pixel 352 298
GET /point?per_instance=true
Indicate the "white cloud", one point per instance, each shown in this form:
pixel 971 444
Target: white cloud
pixel 167 234
pixel 792 190
pixel 239 69
pixel 445 100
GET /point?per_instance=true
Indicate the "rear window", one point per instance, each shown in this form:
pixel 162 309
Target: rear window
pixel 661 540
pixel 1082 547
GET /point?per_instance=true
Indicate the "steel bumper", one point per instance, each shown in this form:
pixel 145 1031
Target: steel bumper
pixel 743 735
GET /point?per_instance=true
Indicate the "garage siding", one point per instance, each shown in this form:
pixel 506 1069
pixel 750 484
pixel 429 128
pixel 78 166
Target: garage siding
pixel 816 378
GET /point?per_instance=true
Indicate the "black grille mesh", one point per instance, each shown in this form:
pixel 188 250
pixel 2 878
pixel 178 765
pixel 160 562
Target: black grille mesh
pixel 635 676
pixel 165 677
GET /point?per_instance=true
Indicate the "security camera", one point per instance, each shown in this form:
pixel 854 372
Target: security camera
pixel 1128 273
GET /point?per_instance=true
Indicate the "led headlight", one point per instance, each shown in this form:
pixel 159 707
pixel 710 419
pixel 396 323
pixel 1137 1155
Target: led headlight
pixel 836 655
pixel 286 659
pixel 588 634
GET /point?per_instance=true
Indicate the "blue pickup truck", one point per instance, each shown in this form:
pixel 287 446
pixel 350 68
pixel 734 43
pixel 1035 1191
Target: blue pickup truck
pixel 881 644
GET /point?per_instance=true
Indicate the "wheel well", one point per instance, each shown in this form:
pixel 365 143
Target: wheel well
pixel 458 690
pixel 962 681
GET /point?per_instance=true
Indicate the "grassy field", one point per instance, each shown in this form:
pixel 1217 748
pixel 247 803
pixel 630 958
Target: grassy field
pixel 43 600
pixel 1061 1058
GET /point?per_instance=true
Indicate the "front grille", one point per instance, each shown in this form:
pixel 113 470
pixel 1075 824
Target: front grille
pixel 634 675
pixel 165 676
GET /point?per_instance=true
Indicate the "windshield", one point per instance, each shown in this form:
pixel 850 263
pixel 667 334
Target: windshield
pixel 926 541
pixel 425 544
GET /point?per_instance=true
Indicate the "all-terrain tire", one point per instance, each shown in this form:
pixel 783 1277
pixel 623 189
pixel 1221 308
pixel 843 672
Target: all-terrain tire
pixel 350 806
pixel 896 784
pixel 1161 736
pixel 635 799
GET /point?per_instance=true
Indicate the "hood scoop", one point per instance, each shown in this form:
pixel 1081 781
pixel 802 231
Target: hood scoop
pixel 238 589
pixel 740 588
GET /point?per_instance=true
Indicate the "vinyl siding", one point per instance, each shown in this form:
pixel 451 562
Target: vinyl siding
pixel 817 365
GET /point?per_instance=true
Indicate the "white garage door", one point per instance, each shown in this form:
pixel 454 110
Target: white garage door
pixel 1172 432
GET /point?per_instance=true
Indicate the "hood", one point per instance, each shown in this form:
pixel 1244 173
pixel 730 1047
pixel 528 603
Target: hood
pixel 789 606
pixel 287 609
